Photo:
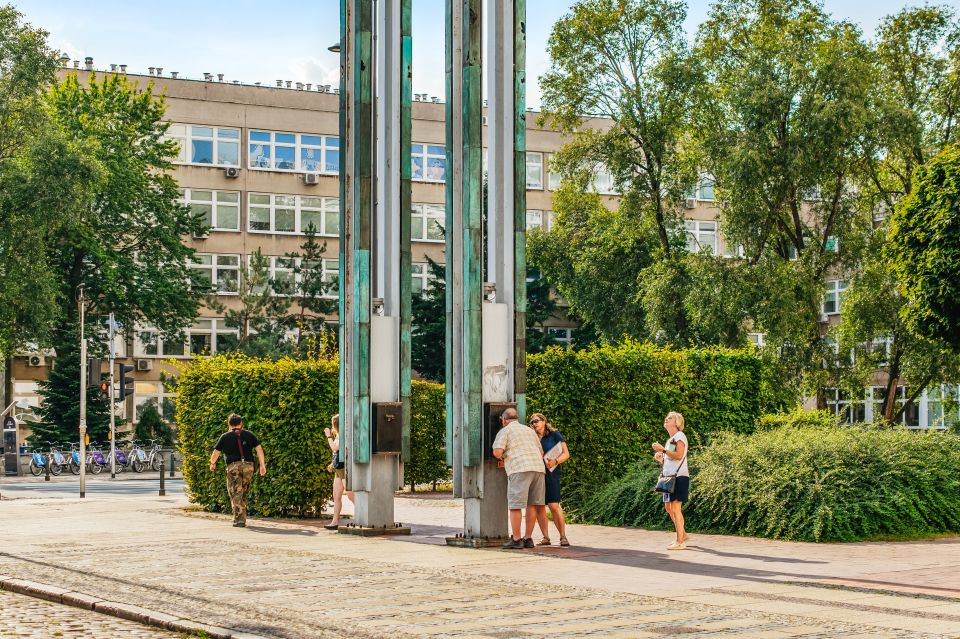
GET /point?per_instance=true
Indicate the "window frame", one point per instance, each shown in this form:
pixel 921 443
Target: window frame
pixel 215 268
pixel 832 287
pixel 298 145
pixel 696 232
pixel 538 164
pixel 419 210
pixel 186 147
pixel 328 204
pixel 425 156
pixel 186 198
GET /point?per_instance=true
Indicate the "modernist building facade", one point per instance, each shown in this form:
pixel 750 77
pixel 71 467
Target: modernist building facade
pixel 261 164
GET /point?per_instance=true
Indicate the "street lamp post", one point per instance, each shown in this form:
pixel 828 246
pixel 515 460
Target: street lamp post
pixel 83 400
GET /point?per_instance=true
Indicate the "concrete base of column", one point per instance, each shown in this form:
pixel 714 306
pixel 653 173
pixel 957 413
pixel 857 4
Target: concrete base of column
pixel 374 508
pixel 486 516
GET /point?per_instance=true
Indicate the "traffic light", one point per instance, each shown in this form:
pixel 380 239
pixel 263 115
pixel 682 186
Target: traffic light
pixel 126 383
pixel 105 390
pixel 94 375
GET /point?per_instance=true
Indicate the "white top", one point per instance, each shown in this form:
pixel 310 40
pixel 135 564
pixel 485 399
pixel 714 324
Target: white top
pixel 673 466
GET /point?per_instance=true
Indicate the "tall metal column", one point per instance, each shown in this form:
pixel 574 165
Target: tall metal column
pixel 485 319
pixel 375 252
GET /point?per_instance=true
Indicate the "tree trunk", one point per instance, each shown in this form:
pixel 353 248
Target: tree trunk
pixel 889 405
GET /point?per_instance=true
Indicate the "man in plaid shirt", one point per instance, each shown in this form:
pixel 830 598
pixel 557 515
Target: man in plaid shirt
pixel 518 446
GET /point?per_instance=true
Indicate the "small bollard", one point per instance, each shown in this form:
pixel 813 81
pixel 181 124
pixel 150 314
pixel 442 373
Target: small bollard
pixel 47 471
pixel 163 491
pixel 173 463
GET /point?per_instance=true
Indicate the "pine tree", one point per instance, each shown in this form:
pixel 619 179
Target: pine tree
pixel 60 406
pixel 151 426
pixel 429 332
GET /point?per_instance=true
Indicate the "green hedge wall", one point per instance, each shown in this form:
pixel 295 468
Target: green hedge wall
pixel 610 402
pixel 804 483
pixel 287 403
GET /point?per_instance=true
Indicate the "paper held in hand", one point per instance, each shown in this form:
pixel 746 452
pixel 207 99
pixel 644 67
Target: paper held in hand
pixel 553 453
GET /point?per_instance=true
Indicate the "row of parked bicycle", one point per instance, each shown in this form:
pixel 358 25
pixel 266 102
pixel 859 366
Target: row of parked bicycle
pixel 137 458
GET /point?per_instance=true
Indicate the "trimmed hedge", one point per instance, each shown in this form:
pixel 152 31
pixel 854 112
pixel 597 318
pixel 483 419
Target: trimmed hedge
pixel 428 457
pixel 610 402
pixel 287 404
pixel 806 483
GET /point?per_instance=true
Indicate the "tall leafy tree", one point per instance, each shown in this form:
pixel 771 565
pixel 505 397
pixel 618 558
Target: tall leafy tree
pixel 626 60
pixel 124 247
pixel 35 154
pixel 782 126
pixel 429 330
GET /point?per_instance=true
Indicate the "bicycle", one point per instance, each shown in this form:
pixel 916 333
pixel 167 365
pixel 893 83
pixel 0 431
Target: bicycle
pixel 137 457
pixel 156 455
pixel 75 459
pixel 96 459
pixel 58 460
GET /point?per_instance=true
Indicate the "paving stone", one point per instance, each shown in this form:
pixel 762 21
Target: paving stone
pixel 22 616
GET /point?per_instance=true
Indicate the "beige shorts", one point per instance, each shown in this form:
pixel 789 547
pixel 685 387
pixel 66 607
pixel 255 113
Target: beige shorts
pixel 525 489
pixel 341 473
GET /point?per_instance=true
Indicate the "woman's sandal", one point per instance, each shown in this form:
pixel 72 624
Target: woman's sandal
pixel 564 542
pixel 331 526
pixel 544 542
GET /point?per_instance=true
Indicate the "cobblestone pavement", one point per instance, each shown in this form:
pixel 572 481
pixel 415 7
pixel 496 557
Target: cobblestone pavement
pixel 290 581
pixel 27 617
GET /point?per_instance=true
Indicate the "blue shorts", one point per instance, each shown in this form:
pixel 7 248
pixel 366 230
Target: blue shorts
pixel 681 490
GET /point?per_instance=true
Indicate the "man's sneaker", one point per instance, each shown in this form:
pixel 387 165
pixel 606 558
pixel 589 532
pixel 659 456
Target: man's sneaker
pixel 513 544
pixel 528 542
pixel 676 546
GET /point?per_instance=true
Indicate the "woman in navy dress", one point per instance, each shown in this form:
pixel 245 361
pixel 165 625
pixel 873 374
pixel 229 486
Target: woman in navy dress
pixel 551 440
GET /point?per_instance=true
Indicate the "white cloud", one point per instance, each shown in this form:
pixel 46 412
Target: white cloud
pixel 317 71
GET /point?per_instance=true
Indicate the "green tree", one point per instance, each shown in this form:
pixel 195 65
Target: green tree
pixel 541 306
pixel 429 330
pixel 782 125
pixel 260 312
pixel 124 247
pixel 594 258
pixel 309 290
pixel 150 425
pixel 35 154
pixel 924 246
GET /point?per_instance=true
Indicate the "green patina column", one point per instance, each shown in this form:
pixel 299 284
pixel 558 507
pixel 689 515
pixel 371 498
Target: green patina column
pixel 361 195
pixel 520 204
pixel 406 211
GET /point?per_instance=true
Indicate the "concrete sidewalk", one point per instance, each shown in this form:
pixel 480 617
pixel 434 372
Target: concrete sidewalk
pixel 279 579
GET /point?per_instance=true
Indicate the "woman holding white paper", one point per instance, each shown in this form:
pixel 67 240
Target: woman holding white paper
pixel 554 453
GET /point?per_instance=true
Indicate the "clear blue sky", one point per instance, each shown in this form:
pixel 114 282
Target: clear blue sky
pixel 257 41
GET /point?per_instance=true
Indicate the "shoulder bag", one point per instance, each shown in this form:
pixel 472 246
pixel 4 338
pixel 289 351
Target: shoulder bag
pixel 668 483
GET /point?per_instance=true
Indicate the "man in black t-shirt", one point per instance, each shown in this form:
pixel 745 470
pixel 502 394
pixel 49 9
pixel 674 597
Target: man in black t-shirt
pixel 238 446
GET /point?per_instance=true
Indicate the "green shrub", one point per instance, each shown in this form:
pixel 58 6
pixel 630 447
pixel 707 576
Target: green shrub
pixel 610 402
pixel 805 484
pixel 287 404
pixel 799 418
pixel 428 458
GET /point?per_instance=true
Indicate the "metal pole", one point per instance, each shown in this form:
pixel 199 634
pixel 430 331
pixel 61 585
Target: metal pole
pixel 83 400
pixel 173 462
pixel 113 428
pixel 163 490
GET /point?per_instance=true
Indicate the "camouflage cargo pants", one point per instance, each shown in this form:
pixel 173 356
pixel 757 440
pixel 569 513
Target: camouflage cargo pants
pixel 239 476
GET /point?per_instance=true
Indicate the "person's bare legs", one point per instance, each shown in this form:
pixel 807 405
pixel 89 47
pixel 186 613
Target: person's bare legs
pixel 337 500
pixel 678 522
pixel 542 521
pixel 515 516
pixel 532 520
pixel 558 519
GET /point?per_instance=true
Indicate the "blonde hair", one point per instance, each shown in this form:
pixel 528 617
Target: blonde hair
pixel 335 423
pixel 547 426
pixel 678 420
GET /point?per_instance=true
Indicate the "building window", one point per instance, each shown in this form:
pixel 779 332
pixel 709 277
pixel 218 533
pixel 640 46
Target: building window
pixel 207 145
pixel 833 298
pixel 831 245
pixel 429 162
pixel 156 395
pixel 553 179
pixel 848 408
pixel 701 236
pixel 757 339
pixel 273 150
pixel 603 182
pixel 149 343
pixel 331 275
pixel 562 336
pixel 28 390
pixel 292 214
pixel 534 170
pixel 943 406
pixel 427 222
pixel 535 220
pixel 220 209
pixel 220 272
pixel 420 278
pixel 211 336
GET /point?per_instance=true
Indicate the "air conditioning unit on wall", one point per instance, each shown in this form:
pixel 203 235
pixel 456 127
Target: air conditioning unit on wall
pixel 690 203
pixel 311 178
pixel 36 360
pixel 144 364
pixel 231 172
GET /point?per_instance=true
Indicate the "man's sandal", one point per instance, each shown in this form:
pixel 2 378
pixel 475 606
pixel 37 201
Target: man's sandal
pixel 544 542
